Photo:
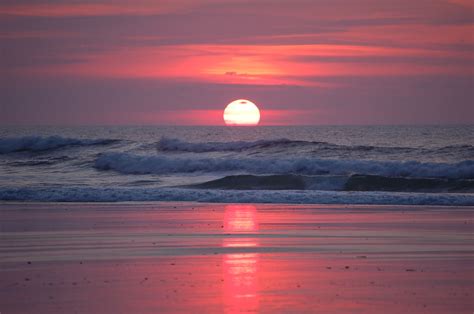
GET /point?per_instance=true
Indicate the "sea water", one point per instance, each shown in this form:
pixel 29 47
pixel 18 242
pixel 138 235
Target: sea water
pixel 281 164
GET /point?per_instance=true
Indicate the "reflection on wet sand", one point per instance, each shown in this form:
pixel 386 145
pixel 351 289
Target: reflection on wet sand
pixel 205 258
pixel 240 269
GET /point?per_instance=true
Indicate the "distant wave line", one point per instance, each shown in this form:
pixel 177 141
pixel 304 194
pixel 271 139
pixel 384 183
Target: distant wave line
pixel 41 144
pixel 166 144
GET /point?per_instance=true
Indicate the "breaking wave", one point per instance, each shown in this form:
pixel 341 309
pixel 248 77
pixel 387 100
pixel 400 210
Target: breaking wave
pixel 338 183
pixel 40 144
pixel 127 163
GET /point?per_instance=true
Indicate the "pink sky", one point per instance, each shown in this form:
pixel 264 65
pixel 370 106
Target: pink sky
pixel 181 62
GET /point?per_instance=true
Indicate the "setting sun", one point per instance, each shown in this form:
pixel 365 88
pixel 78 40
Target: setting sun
pixel 241 112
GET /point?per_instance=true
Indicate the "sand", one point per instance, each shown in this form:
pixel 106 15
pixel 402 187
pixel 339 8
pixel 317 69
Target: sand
pixel 230 258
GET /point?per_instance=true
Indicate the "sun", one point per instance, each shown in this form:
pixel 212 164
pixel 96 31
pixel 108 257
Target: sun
pixel 241 112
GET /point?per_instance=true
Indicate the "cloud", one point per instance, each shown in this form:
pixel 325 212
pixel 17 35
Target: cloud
pixel 94 8
pixel 306 54
pixel 256 64
pixel 464 3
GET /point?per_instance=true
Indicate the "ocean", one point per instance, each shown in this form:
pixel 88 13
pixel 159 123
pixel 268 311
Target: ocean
pixel 430 165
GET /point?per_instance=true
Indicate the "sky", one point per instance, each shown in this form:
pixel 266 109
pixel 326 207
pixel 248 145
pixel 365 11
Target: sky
pixel 303 62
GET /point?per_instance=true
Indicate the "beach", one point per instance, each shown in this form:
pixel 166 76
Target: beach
pixel 183 257
pixel 198 156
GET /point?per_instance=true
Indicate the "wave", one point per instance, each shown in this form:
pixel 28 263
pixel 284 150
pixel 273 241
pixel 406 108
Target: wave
pixel 275 182
pixel 39 162
pixel 120 194
pixel 40 144
pixel 177 145
pixel 397 184
pixel 127 163
pixel 338 183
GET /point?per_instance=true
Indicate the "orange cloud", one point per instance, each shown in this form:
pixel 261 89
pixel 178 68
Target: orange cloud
pixel 255 64
pixel 413 35
pixel 402 36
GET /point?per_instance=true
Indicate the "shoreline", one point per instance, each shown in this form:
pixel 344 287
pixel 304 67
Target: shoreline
pixel 192 202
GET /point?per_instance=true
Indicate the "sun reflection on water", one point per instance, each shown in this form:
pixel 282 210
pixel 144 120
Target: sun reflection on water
pixel 240 268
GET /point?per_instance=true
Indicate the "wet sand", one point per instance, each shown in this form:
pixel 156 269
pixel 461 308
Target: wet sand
pixel 231 258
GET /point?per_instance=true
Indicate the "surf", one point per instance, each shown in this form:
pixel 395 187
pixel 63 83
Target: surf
pixel 48 143
pixel 129 163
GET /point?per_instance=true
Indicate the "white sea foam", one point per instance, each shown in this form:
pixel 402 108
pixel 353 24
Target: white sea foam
pixel 127 163
pixel 208 164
